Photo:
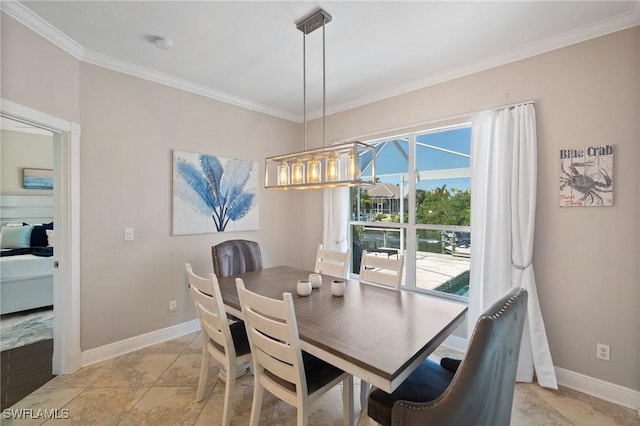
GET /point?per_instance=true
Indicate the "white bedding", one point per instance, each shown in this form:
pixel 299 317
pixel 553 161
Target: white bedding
pixel 25 265
pixel 26 282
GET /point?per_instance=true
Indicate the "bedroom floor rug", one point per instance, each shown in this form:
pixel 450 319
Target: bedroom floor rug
pixel 21 329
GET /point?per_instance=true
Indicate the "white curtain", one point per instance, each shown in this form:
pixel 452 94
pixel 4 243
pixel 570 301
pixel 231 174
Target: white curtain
pixel 503 205
pixel 336 218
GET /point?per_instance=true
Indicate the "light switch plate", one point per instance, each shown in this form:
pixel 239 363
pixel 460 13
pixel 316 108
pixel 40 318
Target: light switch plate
pixel 128 234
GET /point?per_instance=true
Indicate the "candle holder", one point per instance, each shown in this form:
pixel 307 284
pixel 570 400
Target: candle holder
pixel 338 287
pixel 304 287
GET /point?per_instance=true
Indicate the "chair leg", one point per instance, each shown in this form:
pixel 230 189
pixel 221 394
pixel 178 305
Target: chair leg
pixel 303 413
pixel 364 392
pixel 256 405
pixel 204 371
pixel 347 401
pixel 227 411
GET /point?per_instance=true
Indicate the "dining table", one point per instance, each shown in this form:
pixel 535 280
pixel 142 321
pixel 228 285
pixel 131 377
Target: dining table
pixel 378 334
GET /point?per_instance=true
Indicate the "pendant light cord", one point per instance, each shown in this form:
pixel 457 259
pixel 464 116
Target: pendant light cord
pixel 324 87
pixel 304 84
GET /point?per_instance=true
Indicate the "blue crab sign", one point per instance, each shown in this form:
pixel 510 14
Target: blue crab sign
pixel 586 176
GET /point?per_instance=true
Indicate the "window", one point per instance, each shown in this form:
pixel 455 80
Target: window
pixel 421 211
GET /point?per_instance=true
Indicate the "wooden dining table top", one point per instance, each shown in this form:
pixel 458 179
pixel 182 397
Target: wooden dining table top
pixel 378 334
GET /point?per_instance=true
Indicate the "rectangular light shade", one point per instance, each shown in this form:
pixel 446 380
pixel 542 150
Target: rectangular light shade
pixel 326 167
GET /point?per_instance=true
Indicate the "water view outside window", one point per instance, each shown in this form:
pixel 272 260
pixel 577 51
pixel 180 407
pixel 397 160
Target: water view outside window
pixel 421 211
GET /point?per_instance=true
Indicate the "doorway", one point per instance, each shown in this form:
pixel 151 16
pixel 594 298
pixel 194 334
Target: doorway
pixel 26 262
pixel 66 216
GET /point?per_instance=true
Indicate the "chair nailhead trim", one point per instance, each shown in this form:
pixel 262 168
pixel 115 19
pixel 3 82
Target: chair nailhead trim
pixel 509 301
pixel 216 262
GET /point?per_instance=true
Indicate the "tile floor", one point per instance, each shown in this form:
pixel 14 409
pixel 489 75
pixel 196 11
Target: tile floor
pixel 157 386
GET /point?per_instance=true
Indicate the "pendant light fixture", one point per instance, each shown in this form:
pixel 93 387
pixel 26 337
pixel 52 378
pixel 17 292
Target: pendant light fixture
pixel 330 166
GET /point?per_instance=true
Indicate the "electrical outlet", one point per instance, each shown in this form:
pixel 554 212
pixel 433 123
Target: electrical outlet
pixel 603 352
pixel 173 305
pixel 128 234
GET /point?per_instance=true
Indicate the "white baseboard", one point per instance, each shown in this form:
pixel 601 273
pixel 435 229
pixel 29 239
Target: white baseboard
pixel 599 388
pixel 135 343
pixel 455 342
pixel 589 385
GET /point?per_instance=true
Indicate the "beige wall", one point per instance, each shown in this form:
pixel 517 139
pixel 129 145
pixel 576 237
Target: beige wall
pixel 23 150
pixel 586 259
pixel 37 74
pixel 129 129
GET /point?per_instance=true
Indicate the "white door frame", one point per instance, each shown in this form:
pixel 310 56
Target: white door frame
pixel 66 277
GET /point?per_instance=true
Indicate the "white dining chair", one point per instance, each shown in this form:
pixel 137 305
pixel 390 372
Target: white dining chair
pixel 279 365
pixel 381 270
pixel 226 343
pixel 329 262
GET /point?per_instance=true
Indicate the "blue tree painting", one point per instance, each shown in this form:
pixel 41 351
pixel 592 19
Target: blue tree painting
pixel 218 189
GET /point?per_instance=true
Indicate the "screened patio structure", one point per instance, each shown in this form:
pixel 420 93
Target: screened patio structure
pixel 420 211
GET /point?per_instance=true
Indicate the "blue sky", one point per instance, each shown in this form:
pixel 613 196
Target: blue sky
pixel 391 160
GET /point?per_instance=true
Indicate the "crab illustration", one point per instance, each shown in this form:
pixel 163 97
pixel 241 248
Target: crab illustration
pixel 588 185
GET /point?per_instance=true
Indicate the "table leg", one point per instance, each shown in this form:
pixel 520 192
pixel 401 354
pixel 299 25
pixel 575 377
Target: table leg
pixel 364 393
pixel 347 401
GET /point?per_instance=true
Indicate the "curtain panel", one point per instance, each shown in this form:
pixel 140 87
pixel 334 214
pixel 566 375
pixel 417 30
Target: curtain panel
pixel 335 218
pixel 503 204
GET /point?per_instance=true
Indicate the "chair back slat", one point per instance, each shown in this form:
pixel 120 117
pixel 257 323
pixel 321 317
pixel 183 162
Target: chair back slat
pixel 211 323
pixel 272 337
pixel 277 367
pixel 331 262
pixel 381 270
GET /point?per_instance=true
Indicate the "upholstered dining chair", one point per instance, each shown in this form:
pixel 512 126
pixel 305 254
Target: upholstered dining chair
pixel 279 365
pixel 226 343
pixel 381 270
pixel 329 262
pixel 477 391
pixel 236 257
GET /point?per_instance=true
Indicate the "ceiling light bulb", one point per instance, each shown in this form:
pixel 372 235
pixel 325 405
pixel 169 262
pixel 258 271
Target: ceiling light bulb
pixel 332 167
pixel 163 43
pixel 283 173
pixel 353 166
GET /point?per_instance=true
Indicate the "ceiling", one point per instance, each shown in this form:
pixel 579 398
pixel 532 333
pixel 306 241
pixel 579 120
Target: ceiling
pixel 250 53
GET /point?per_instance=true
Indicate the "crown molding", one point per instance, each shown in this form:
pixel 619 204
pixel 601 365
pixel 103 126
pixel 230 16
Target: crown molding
pixel 124 67
pixel 607 26
pixel 41 27
pixel 32 21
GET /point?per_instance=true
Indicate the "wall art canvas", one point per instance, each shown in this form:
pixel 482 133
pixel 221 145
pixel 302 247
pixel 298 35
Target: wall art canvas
pixel 37 178
pixel 213 194
pixel 586 176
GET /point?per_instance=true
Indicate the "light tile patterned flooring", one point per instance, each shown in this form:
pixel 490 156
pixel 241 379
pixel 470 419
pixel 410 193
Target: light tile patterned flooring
pixel 157 386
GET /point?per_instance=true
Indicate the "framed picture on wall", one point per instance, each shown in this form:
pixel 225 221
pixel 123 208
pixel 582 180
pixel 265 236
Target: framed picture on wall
pixel 37 178
pixel 586 176
pixel 213 194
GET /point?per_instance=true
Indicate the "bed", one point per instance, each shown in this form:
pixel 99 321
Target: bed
pixel 26 277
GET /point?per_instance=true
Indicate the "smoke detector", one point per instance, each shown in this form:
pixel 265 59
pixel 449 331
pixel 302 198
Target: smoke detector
pixel 163 43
